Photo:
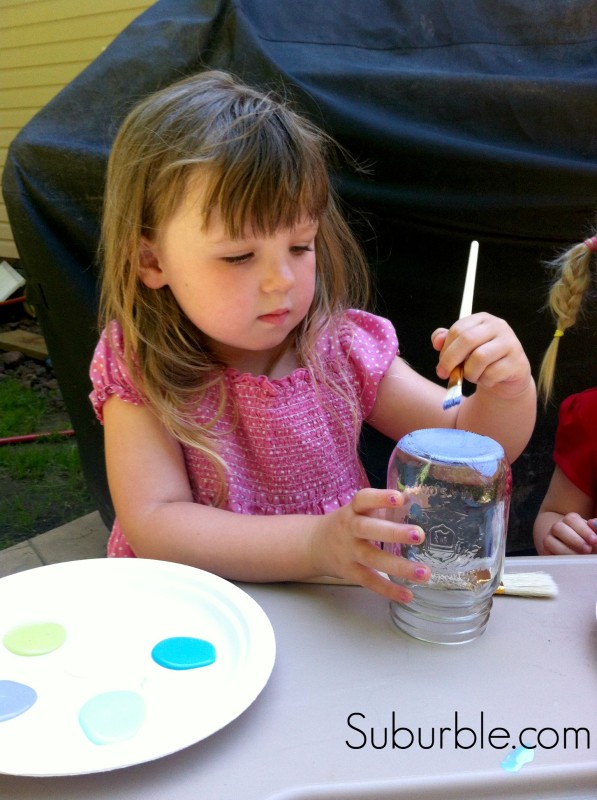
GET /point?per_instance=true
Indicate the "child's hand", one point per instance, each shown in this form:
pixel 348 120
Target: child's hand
pixel 593 525
pixel 492 355
pixel 572 535
pixel 344 545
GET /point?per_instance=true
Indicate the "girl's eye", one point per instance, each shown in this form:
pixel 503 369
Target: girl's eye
pixel 305 248
pixel 237 259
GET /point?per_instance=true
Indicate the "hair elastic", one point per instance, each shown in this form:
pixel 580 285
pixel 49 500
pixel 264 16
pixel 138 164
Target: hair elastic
pixel 558 333
pixel 591 244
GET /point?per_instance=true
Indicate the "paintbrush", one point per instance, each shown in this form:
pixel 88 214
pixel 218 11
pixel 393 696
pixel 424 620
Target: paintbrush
pixel 454 393
pixel 528 584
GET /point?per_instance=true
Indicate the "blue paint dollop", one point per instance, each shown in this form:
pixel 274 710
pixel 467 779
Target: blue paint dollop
pixel 184 652
pixel 518 758
pixel 15 699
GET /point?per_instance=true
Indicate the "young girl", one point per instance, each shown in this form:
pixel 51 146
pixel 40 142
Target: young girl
pixel 566 523
pixel 231 375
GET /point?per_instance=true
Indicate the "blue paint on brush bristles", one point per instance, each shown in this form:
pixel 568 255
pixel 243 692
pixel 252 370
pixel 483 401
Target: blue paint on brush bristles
pixel 453 398
pixel 454 393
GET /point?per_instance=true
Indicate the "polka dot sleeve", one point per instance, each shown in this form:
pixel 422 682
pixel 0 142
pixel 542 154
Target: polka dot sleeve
pixel 108 374
pixel 370 345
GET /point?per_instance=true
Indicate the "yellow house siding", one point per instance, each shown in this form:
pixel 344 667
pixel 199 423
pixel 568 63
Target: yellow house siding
pixel 44 44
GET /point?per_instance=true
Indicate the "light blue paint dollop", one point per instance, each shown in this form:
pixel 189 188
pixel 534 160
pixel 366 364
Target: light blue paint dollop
pixel 518 758
pixel 112 716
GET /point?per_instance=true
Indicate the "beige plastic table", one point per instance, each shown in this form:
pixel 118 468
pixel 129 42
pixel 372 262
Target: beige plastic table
pixel 345 678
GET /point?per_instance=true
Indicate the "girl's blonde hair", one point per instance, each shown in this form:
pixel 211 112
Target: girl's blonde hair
pixel 573 279
pixel 261 165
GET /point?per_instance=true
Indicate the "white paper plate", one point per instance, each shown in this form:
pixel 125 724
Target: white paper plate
pixel 114 611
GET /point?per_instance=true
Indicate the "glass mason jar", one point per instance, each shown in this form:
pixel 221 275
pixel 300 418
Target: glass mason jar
pixel 457 488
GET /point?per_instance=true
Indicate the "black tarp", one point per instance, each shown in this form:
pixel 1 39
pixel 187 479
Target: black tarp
pixel 476 119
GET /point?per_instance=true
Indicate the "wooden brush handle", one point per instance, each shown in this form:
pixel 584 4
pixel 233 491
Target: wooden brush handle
pixel 466 308
pixel 456 376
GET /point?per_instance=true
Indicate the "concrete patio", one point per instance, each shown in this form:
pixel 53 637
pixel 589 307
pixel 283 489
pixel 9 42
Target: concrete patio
pixel 85 537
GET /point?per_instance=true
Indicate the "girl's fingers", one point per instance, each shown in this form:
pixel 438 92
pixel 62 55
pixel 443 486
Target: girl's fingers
pixel 438 338
pixel 585 529
pixel 370 559
pixel 555 547
pixel 367 500
pixel 457 344
pixel 379 583
pixel 479 341
pixel 564 540
pixel 485 367
pixel 412 571
pixel 375 529
pixel 373 558
pixel 384 587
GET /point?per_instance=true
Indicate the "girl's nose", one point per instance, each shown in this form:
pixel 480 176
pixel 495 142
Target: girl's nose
pixel 278 276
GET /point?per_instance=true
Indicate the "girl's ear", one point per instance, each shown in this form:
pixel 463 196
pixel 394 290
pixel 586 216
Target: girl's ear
pixel 149 269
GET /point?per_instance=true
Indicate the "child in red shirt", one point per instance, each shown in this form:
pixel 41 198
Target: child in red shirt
pixel 566 523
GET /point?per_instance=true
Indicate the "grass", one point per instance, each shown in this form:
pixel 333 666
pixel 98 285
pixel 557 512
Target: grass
pixel 41 483
pixel 22 408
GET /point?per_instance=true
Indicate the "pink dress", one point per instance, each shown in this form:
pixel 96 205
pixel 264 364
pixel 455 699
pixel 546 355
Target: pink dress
pixel 294 448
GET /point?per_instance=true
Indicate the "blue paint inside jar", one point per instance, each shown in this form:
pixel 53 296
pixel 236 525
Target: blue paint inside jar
pixel 452 446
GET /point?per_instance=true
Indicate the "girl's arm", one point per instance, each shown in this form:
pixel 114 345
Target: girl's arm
pixel 155 508
pixel 503 405
pixel 561 527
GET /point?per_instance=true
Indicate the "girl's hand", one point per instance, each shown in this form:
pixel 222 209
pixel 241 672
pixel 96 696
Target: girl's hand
pixel 593 525
pixel 492 355
pixel 344 545
pixel 572 535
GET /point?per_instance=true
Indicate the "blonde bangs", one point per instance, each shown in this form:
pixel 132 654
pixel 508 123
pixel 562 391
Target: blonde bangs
pixel 263 176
